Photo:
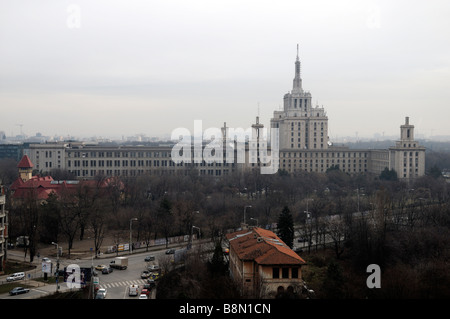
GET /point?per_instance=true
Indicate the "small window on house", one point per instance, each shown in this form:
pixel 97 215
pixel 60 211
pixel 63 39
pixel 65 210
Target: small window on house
pixel 294 272
pixel 275 272
pixel 285 272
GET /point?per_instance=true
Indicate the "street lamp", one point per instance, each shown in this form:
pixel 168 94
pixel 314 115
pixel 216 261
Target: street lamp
pixel 255 219
pixel 245 209
pixel 131 222
pixel 189 246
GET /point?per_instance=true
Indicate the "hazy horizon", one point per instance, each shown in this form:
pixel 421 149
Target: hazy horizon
pixel 121 68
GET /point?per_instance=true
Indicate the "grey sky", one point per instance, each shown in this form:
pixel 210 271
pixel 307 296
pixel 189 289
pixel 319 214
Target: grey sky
pixel 113 68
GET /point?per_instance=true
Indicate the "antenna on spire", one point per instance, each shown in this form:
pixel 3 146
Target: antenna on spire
pixel 297 51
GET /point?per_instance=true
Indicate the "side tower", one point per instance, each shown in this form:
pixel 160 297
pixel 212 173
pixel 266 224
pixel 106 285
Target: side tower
pixel 407 157
pixel 25 168
pixel 301 126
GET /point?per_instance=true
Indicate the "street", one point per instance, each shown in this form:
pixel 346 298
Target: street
pixel 117 282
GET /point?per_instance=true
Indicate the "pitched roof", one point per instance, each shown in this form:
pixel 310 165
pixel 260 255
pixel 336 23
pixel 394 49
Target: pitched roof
pixel 262 246
pixel 25 162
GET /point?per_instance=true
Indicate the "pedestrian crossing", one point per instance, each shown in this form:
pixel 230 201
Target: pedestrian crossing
pixel 138 282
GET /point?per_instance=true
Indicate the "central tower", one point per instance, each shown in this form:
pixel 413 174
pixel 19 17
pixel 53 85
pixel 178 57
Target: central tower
pixel 301 126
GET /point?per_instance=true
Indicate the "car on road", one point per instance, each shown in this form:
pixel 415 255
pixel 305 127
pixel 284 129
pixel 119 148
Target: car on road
pixel 143 296
pixel 153 267
pixel 100 267
pixel 145 274
pixel 46 260
pixel 133 290
pixel 145 292
pixel 18 290
pixel 99 296
pixel 16 276
pixel 170 251
pixel 151 282
pixel 149 258
pixel 102 291
pixel 148 286
pixel 107 270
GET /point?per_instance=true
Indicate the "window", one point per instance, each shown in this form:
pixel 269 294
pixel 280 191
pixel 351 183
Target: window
pixel 275 272
pixel 285 272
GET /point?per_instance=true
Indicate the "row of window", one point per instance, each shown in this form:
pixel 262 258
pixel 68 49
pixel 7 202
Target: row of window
pixel 139 172
pixel 285 272
pixel 117 154
pixel 328 154
pixel 138 163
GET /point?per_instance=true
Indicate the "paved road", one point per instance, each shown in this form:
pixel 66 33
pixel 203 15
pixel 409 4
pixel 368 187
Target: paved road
pixel 117 283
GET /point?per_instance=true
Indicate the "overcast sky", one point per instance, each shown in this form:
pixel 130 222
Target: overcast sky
pixel 119 68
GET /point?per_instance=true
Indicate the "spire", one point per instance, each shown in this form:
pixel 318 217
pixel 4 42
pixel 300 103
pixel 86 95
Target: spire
pixel 297 87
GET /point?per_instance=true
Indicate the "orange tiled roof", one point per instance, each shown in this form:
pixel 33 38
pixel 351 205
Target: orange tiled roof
pixel 262 246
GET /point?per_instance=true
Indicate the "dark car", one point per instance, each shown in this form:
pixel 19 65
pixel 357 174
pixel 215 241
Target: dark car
pixel 107 270
pixel 18 290
pixel 149 258
pixel 170 251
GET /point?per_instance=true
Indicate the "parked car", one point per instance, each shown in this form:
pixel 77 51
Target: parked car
pixel 149 258
pixel 170 251
pixel 148 286
pixel 18 290
pixel 16 276
pixel 107 270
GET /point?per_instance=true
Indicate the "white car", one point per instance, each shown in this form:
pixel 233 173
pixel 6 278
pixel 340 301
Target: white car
pixel 16 276
pixel 102 291
pixel 143 296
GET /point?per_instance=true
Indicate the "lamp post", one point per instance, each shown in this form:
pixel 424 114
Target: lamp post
pixel 255 219
pixel 245 209
pixel 189 246
pixel 131 222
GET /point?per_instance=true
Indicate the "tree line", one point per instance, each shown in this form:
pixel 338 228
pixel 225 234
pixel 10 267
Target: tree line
pixel 364 218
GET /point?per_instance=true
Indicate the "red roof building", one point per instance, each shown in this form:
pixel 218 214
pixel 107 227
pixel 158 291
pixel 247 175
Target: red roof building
pixel 25 162
pixel 262 264
pixel 40 187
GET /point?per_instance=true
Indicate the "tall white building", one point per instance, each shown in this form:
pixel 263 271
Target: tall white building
pixel 302 126
pixel 304 142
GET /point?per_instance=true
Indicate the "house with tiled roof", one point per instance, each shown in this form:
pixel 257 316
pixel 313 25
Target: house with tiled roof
pixel 263 265
pixel 39 188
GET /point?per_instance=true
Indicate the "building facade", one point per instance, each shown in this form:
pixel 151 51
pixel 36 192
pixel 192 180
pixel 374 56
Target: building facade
pixel 262 265
pixel 304 146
